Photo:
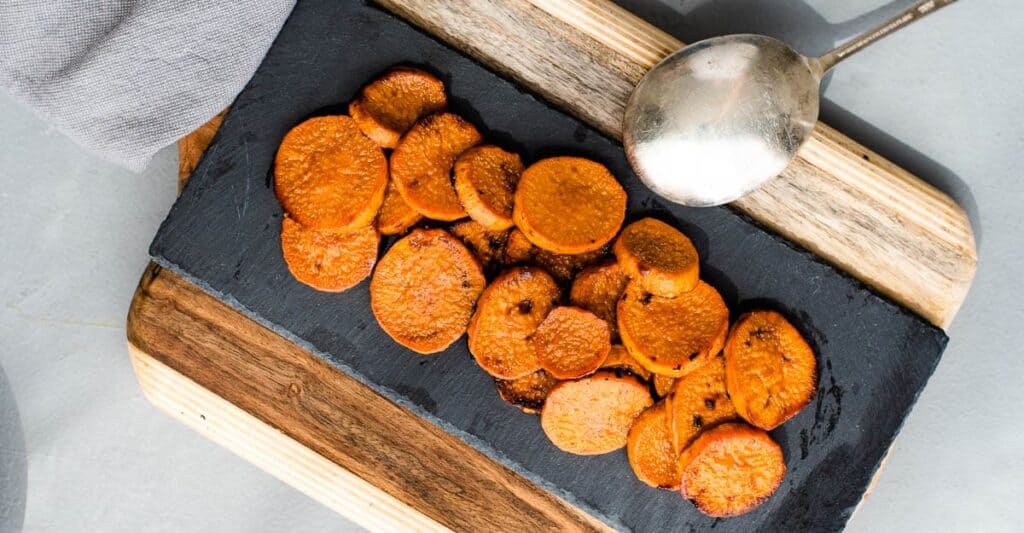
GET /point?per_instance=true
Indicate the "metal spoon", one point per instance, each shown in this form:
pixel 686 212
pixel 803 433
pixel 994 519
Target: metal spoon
pixel 716 119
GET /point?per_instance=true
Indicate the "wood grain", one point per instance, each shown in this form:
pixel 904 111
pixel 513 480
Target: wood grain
pixel 329 413
pixel 838 199
pixel 273 451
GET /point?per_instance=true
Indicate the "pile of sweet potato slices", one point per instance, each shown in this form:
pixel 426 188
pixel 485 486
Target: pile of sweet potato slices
pixel 608 332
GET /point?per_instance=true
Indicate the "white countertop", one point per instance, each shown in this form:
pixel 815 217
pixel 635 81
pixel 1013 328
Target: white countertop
pixel 82 450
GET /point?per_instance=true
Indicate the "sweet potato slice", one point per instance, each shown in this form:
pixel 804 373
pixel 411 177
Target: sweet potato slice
pixel 649 448
pixel 395 216
pixel 699 401
pixel 592 415
pixel 770 370
pixel 731 469
pixel 597 289
pixel 657 255
pixel 569 205
pixel 563 267
pixel 662 386
pixel 528 392
pixel 327 260
pixel 619 359
pixel 328 175
pixel 487 245
pixel 672 336
pixel 424 289
pixel 421 164
pixel 389 105
pixel 571 342
pixel 485 181
pixel 506 319
pixel 519 250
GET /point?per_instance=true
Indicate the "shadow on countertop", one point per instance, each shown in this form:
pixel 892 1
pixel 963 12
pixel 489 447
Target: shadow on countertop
pixel 802 27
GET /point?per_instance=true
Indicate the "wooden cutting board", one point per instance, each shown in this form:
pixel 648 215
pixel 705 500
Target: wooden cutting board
pixel 336 439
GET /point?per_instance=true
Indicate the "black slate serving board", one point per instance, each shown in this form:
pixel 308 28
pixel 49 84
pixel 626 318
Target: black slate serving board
pixel 223 234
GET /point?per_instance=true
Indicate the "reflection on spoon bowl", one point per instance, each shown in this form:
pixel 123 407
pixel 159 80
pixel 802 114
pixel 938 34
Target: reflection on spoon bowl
pixel 715 120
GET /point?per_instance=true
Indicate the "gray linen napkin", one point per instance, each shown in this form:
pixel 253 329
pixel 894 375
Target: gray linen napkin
pixel 124 78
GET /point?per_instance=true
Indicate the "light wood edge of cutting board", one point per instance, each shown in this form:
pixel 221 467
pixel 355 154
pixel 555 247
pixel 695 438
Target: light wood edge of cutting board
pixel 845 203
pixel 271 450
pixel 309 410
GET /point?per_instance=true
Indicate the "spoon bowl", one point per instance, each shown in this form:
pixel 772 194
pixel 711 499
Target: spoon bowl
pixel 717 119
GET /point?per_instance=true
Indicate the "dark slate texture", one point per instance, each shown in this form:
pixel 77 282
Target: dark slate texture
pixel 874 356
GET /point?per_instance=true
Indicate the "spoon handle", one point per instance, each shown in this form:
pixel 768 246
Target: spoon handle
pixel 915 12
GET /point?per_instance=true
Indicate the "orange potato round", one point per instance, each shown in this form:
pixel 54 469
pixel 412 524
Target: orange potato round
pixel 326 260
pixel 571 342
pixel 506 319
pixel 328 175
pixel 661 258
pixel 592 415
pixel 619 359
pixel 569 205
pixel 649 449
pixel 699 401
pixel 389 105
pixel 731 469
pixel 528 392
pixel 519 250
pixel 563 267
pixel 421 164
pixel 487 245
pixel 770 370
pixel 395 216
pixel 662 386
pixel 424 288
pixel 597 289
pixel 672 336
pixel 485 181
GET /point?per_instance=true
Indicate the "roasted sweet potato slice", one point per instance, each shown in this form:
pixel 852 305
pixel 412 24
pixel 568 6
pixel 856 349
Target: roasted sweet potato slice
pixel 563 267
pixel 657 255
pixel 571 342
pixel 597 289
pixel 421 164
pixel 489 246
pixel 699 401
pixel 485 181
pixel 649 448
pixel 592 415
pixel 662 386
pixel 388 106
pixel 328 175
pixel 569 205
pixel 731 469
pixel 519 250
pixel 770 370
pixel 619 359
pixel 326 260
pixel 424 289
pixel 506 319
pixel 672 336
pixel 395 216
pixel 528 392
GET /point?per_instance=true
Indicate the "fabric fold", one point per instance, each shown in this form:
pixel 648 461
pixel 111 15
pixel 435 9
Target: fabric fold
pixel 124 78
